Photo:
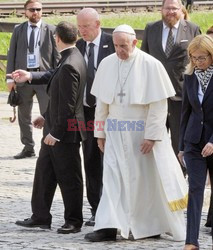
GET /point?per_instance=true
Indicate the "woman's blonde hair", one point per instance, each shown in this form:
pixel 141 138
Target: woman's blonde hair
pixel 200 42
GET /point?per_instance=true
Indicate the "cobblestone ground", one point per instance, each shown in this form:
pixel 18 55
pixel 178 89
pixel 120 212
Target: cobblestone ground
pixel 16 177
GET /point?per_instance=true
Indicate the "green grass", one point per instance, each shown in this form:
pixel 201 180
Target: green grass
pixel 137 21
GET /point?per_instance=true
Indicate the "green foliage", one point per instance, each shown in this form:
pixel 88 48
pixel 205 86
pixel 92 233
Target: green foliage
pixel 136 20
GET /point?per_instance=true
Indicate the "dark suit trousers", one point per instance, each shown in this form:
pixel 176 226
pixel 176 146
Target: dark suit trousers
pixel 173 124
pixel 26 93
pixel 93 164
pixel 60 164
pixel 210 211
pixel 197 171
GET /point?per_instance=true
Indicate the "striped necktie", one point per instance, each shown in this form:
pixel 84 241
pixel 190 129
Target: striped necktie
pixel 169 43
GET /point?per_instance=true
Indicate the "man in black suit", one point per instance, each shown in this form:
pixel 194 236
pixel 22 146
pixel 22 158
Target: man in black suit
pixel 88 22
pixel 59 159
pixel 32 48
pixel 172 53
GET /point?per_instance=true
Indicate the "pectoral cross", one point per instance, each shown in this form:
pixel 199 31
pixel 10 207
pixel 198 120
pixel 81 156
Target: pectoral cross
pixel 121 95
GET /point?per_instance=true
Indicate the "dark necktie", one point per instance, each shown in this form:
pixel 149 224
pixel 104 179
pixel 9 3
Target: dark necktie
pixel 169 43
pixel 32 39
pixel 90 99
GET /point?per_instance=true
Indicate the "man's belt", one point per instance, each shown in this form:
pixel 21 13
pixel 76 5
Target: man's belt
pixel 33 69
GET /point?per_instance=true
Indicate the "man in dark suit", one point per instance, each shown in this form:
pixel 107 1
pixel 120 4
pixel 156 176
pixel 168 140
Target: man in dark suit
pixel 172 53
pixel 89 27
pixel 59 159
pixel 32 48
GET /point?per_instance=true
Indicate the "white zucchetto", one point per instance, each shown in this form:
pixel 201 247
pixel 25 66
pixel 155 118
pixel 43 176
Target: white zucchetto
pixel 124 28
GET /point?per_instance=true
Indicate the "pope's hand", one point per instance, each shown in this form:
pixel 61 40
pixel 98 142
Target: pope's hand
pixel 20 76
pixel 101 144
pixel 147 146
pixel 38 122
pixel 180 158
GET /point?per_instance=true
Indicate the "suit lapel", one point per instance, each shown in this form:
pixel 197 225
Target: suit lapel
pixel 103 48
pixel 82 47
pixel 208 90
pixel 181 32
pixel 158 33
pixel 25 35
pixel 181 35
pixel 194 91
pixel 42 35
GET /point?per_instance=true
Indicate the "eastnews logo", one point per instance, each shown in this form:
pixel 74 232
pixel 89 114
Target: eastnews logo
pixel 111 125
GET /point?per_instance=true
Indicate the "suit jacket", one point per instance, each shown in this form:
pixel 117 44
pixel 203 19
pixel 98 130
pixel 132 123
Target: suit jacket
pixel 17 54
pixel 65 89
pixel 197 118
pixel 106 46
pixel 175 64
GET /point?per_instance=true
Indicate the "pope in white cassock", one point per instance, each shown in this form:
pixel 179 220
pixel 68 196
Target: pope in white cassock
pixel 144 191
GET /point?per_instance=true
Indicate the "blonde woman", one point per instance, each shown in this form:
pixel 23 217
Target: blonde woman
pixel 196 133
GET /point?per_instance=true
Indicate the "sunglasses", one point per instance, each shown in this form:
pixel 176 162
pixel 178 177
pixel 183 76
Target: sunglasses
pixel 34 9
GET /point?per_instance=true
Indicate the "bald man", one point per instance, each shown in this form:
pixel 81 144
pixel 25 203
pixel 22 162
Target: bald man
pixel 89 26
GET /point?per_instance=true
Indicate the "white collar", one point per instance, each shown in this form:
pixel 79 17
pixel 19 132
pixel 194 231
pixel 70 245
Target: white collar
pixel 175 26
pixel 72 46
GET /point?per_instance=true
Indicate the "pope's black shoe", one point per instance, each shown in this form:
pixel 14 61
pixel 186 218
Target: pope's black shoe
pixel 208 224
pixel 157 236
pixel 108 234
pixel 30 223
pixel 68 228
pixel 90 222
pixel 24 154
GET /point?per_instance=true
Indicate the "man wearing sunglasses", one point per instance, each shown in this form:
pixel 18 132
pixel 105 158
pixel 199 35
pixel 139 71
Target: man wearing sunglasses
pixel 32 48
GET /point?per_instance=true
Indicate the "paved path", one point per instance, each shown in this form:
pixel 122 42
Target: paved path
pixel 16 177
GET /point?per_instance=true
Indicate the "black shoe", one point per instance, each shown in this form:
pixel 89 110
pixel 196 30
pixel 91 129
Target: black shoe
pixel 24 154
pixel 31 224
pixel 102 235
pixel 157 236
pixel 68 228
pixel 90 222
pixel 208 224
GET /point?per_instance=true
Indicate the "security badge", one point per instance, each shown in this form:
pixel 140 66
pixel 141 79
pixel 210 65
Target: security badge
pixel 31 60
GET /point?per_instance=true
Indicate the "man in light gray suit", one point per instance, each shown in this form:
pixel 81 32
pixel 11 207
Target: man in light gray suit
pixel 167 40
pixel 32 48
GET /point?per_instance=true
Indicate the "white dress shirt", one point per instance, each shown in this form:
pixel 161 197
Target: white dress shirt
pixel 165 33
pixel 37 31
pixel 96 41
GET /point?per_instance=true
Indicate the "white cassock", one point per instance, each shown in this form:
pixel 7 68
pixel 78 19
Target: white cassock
pixel 144 194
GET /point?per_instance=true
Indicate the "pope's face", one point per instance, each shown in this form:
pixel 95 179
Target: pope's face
pixel 171 12
pixel 124 45
pixel 33 12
